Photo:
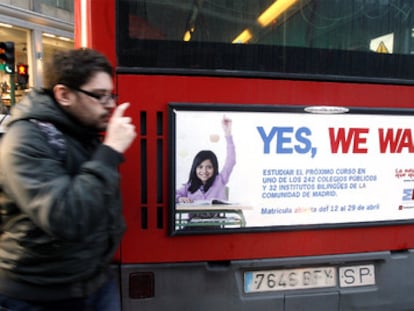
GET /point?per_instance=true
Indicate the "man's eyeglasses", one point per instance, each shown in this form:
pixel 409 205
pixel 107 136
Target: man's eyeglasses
pixel 102 98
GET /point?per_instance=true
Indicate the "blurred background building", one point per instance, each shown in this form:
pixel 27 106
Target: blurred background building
pixel 37 28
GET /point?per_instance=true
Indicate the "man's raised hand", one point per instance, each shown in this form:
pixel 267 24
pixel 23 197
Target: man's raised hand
pixel 120 132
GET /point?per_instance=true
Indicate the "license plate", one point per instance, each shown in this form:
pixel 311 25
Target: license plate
pixel 288 279
pixel 353 276
pixel 307 278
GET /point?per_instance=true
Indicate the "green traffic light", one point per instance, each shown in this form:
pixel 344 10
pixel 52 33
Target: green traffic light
pixel 8 69
pixel 7 55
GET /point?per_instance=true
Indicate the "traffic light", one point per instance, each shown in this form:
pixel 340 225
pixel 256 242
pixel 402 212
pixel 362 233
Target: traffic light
pixel 7 55
pixel 22 75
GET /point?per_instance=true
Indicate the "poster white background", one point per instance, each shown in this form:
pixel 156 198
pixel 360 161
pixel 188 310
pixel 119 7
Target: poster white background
pixel 295 177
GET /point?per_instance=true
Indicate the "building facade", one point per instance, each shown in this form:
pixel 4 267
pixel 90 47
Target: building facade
pixel 37 28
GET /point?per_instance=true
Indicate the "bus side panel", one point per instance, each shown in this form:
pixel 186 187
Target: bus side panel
pixel 146 206
pixel 89 33
pixel 200 286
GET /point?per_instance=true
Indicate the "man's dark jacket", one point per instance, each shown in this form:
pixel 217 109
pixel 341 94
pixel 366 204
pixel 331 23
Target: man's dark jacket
pixel 68 223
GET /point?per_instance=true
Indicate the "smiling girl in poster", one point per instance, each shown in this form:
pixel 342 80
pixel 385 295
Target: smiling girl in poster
pixel 205 182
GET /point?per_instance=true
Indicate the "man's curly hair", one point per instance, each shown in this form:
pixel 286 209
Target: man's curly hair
pixel 75 67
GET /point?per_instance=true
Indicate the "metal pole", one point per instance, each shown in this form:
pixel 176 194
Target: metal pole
pixel 12 88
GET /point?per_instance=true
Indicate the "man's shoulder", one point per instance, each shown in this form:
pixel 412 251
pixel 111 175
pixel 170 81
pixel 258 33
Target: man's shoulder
pixel 26 134
pixel 54 137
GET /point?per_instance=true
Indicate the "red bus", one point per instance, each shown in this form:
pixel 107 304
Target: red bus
pixel 318 208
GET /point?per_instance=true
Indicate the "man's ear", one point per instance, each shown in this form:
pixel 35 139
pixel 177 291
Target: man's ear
pixel 63 95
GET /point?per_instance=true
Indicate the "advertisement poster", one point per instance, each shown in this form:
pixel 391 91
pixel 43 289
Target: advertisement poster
pixel 282 168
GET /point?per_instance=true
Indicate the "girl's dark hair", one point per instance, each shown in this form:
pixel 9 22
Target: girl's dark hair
pixel 193 180
pixel 75 67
